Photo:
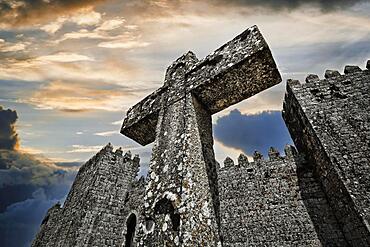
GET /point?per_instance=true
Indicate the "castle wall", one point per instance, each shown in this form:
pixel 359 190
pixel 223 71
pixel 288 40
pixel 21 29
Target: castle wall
pixel 275 202
pixel 46 235
pixel 134 205
pixel 329 121
pixel 92 214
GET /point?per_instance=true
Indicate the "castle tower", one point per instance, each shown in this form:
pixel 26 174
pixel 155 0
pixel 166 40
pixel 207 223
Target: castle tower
pixel 93 213
pixel 329 120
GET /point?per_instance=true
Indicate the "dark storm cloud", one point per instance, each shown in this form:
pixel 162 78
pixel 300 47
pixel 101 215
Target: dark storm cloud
pixel 26 12
pixel 252 132
pixel 20 222
pixel 22 174
pixel 29 185
pixel 8 135
pixel 68 164
pixel 324 5
pixel 16 193
pixel 28 188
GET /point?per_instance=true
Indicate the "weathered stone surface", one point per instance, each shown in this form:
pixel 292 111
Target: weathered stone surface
pixel 275 202
pixel 243 160
pixel 239 69
pixel 94 212
pixel 257 156
pixel 331 73
pixel 181 195
pixel 329 121
pixel 312 78
pixel 348 69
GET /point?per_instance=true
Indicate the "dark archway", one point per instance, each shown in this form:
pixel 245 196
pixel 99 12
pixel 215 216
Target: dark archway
pixel 131 225
pixel 164 206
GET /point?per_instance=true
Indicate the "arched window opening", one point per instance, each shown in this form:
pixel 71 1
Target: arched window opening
pixel 131 225
pixel 164 206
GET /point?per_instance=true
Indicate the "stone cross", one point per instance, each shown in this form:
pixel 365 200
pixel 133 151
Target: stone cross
pixel 181 198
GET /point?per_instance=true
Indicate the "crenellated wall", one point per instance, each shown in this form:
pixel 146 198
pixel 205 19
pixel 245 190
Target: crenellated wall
pixel 274 202
pixel 329 121
pixel 93 213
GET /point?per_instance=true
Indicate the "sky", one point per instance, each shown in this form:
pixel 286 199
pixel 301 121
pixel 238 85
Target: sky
pixel 69 70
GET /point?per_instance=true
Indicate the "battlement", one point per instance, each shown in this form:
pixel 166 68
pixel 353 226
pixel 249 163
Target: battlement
pixel 258 159
pixel 334 76
pixel 333 87
pixel 109 149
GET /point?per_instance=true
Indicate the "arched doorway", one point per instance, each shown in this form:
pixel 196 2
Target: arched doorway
pixel 131 225
pixel 164 206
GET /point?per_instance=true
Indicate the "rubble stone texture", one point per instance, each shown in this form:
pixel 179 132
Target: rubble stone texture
pixel 275 202
pixel 329 121
pixel 318 196
pixel 94 213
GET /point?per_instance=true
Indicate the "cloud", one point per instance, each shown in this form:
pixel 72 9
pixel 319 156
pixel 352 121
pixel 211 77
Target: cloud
pixel 81 34
pixel 85 149
pixel 111 24
pixel 12 47
pixel 130 44
pixel 68 164
pixel 52 27
pixel 30 12
pixel 23 168
pixel 127 40
pixel 64 57
pixel 84 18
pixel 107 133
pixel 87 18
pixel 327 5
pixel 8 136
pixel 118 122
pixel 252 132
pixel 21 221
pixel 81 96
pixel 31 150
pixel 222 151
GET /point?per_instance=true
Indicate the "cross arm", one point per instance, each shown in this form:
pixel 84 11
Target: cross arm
pixel 141 119
pixel 237 70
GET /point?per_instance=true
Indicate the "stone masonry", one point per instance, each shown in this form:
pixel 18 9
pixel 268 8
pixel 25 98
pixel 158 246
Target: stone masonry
pixel 316 196
pixel 275 202
pixel 94 212
pixel 329 121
